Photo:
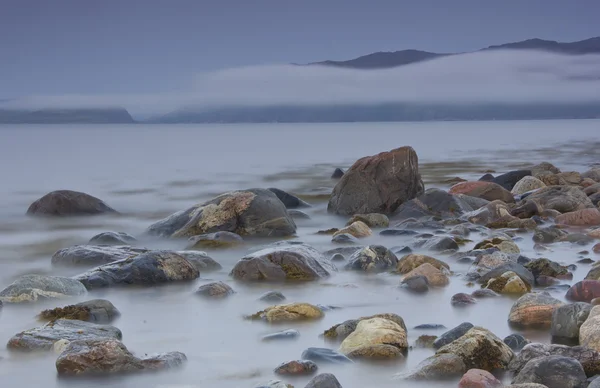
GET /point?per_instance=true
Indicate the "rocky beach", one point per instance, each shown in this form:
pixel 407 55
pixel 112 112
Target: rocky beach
pixel 465 264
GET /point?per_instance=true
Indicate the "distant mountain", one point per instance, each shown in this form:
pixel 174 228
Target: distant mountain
pixel 383 112
pixel 66 116
pixel 384 60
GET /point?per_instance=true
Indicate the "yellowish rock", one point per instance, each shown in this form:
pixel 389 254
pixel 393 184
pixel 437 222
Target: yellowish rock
pixel 289 313
pixel 373 220
pixel 595 233
pixel 505 245
pixel 412 261
pixel 589 332
pixel 435 277
pixel 508 283
pixel 357 229
pixel 375 338
pixel 533 310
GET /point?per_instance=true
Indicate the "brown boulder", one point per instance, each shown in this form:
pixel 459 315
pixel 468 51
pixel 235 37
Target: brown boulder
pixel 533 310
pixel 357 229
pixel 561 198
pixel 68 203
pixel 478 378
pixel 435 277
pixel 413 261
pixel 583 217
pixel 584 291
pixel 378 184
pixel 487 190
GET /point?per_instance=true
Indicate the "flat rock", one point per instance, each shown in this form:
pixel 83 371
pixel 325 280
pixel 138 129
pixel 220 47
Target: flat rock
pixel 289 313
pixel 96 310
pixel 373 258
pixel 112 238
pixel 252 212
pixel 378 184
pixel 285 262
pixel 533 310
pixel 287 335
pixel 44 337
pixel 146 269
pixel 324 356
pixel 110 356
pixel 68 203
pixel 31 288
pixel 94 255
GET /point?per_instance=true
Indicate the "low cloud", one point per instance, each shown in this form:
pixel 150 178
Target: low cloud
pixel 484 77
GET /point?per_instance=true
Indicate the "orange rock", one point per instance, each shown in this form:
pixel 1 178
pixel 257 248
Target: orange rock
pixel 584 217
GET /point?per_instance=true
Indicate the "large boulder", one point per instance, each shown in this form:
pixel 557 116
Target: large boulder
pixel 588 358
pixel 342 330
pixel 561 198
pixel 252 212
pixel 94 255
pixel 412 261
pixel 378 184
pixel 583 217
pixel 110 356
pixel 375 338
pixel 544 267
pixel 68 203
pixel 589 332
pixel 146 269
pixel 511 178
pixel 373 258
pixel 567 319
pixel 487 190
pixel 584 291
pixel 44 337
pixel 283 262
pixel 553 372
pixel 30 288
pixel 527 184
pixel 481 349
pixel 533 310
pixel 436 202
pixel 96 310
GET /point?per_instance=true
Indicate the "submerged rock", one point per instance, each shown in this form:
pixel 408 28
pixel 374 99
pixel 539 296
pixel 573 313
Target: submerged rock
pixel 96 310
pixel 44 337
pixel 110 356
pixel 284 262
pixel 486 190
pixel 215 240
pixel 436 202
pixel 324 380
pixel 324 356
pixel 200 260
pixel 272 296
pixel 378 184
pixel 437 367
pixel 372 220
pixel 296 367
pixel 146 269
pixel 68 203
pixel 516 342
pixel 337 173
pixel 215 290
pixel 31 288
pixel 94 255
pixel 289 334
pixel 373 258
pixel 553 372
pixel 461 300
pixel 289 313
pixel 112 238
pixel 417 283
pixel 533 310
pixel 252 212
pixel 290 201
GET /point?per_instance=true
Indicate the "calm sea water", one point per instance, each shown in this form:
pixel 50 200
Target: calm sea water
pixel 147 172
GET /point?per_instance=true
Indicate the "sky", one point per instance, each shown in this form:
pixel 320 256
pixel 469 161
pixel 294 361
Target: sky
pixel 150 46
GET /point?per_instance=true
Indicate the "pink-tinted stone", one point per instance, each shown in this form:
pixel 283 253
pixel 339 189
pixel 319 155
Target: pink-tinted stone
pixel 584 291
pixel 584 217
pixel 478 378
pixel 486 190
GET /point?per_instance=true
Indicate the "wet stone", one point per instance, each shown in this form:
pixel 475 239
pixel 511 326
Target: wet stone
pixel 112 238
pixel 430 326
pixel 324 356
pixel 272 297
pixel 215 290
pixel 284 335
pixel 452 334
pixel 296 367
pixel 97 310
pixel 418 284
pixel 516 342
pixel 462 300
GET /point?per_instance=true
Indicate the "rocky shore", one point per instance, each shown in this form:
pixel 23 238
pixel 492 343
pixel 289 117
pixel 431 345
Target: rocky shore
pixel 482 224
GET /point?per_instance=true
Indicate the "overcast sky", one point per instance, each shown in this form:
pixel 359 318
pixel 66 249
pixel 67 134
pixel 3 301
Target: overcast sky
pixel 140 46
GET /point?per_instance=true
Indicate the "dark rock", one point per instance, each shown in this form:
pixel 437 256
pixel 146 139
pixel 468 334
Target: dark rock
pixel 110 356
pixel 200 260
pixel 290 201
pixel 329 231
pixel 31 288
pixel 344 238
pixel 553 372
pixel 561 198
pixel 325 356
pixel 545 267
pixel 97 310
pixel 253 212
pixel 510 179
pixel 378 184
pixel 215 290
pixel 94 255
pixel 398 232
pixel 489 191
pixel 434 202
pixel 296 367
pixel 546 281
pixel 588 358
pixel 418 284
pixel 484 293
pixel 373 258
pixel 338 173
pixel 44 337
pixel 272 297
pixel 438 244
pixel 146 269
pixel 68 203
pixel 403 250
pixel 548 235
pixel 584 291
pixel 487 178
pixel 452 335
pixel 462 300
pixel 587 260
pixel 283 262
pixel 215 240
pixel 324 380
pixel 429 326
pixel 567 319
pixel 346 251
pixel 523 273
pixel 112 238
pixel 516 342
pixel 289 334
pixel 439 367
pixel 298 214
pixel 338 257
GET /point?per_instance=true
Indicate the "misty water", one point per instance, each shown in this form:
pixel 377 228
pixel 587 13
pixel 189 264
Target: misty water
pixel 149 171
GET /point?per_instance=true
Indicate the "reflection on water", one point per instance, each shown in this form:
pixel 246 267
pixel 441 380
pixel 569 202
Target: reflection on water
pixel 148 172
